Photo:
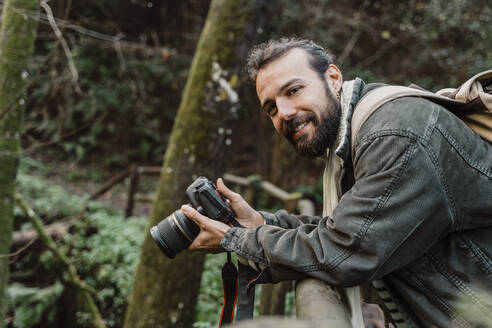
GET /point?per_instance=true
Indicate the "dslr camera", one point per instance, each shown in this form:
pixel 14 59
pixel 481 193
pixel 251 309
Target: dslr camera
pixel 176 232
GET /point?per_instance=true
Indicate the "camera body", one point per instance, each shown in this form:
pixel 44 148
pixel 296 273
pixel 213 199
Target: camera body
pixel 205 198
pixel 176 232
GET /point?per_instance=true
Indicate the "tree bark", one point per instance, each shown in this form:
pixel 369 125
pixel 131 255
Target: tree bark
pixel 17 34
pixel 165 292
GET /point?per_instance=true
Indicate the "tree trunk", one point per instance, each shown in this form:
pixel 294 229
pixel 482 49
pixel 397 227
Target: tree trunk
pixel 17 34
pixel 165 292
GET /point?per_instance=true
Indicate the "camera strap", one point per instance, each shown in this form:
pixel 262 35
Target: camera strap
pixel 246 293
pixel 230 284
pixel 237 289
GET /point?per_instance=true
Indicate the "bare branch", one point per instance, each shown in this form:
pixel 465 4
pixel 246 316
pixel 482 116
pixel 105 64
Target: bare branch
pixel 66 49
pixel 20 250
pixel 385 47
pixel 355 37
pixel 37 146
pixel 350 45
pixel 121 57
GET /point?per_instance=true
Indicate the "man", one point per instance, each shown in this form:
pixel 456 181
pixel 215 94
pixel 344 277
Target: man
pixel 414 212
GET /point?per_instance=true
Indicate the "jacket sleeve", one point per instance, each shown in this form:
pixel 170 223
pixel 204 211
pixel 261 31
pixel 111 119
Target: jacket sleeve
pixel 397 209
pixel 287 220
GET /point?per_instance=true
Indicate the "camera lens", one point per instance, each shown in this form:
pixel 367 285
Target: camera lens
pixel 174 234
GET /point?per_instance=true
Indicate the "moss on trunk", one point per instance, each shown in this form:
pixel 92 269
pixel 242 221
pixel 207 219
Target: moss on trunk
pixel 17 34
pixel 165 292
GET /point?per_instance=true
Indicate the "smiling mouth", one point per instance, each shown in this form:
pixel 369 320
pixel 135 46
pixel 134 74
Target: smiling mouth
pixel 293 129
pixel 300 126
pixel 298 130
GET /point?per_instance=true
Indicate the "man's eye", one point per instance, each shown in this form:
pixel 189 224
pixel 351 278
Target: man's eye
pixel 293 90
pixel 272 110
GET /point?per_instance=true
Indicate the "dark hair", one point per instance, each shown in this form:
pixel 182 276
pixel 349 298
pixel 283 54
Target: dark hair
pixel 266 52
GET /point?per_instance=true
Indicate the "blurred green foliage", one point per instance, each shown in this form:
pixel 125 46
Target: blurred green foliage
pixel 103 245
pixel 51 202
pixel 105 248
pixel 124 114
pixel 211 293
pixel 32 303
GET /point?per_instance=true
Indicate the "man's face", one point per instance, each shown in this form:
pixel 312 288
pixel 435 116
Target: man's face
pixel 300 103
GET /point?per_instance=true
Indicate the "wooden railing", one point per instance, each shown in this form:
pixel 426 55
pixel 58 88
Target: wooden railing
pixel 133 173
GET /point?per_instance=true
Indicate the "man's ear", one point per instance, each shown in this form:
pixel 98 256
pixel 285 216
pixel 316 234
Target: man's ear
pixel 334 76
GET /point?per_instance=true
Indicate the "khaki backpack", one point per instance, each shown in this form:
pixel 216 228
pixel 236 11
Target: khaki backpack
pixel 471 102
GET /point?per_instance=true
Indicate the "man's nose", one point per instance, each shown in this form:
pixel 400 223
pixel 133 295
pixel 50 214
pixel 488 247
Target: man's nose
pixel 286 110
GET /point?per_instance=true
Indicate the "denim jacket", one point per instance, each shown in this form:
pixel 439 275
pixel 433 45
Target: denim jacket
pixel 416 213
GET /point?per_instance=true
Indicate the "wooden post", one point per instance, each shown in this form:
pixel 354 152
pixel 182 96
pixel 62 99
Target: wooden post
pixel 249 195
pixel 254 189
pixel 275 322
pixel 319 302
pixel 132 190
pixel 272 300
pixel 316 300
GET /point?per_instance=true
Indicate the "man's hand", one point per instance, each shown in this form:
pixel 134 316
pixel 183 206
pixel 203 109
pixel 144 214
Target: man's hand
pixel 245 214
pixel 211 231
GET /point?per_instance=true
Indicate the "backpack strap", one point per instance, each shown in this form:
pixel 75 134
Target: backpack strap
pixel 475 88
pixel 372 101
pixel 463 101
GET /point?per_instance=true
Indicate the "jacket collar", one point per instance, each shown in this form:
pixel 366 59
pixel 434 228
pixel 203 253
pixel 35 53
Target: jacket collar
pixel 350 95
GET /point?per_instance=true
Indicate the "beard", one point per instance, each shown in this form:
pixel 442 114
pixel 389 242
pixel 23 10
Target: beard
pixel 325 128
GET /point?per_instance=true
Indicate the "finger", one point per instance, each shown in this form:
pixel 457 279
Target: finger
pixel 194 215
pixel 226 191
pixel 194 246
